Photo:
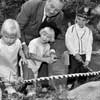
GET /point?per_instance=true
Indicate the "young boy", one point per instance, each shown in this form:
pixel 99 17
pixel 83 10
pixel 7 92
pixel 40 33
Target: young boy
pixel 79 43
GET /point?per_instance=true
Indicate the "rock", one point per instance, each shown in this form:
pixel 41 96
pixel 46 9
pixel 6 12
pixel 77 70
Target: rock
pixel 87 91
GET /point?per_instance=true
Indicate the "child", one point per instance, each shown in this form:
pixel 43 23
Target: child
pixel 39 49
pixel 10 47
pixel 79 43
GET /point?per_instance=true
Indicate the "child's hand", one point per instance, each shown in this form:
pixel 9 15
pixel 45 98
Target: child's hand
pixel 78 57
pixel 26 51
pixel 54 57
pixel 24 61
pixel 86 63
pixel 20 80
pixel 49 60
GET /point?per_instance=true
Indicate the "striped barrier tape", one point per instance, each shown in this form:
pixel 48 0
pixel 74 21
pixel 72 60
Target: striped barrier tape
pixel 63 76
pixel 69 75
pixel 95 73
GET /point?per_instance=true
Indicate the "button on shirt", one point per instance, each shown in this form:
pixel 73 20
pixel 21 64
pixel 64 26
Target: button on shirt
pixel 79 41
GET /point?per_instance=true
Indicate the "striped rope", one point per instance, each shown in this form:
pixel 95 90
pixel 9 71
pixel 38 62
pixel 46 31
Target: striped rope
pixel 95 73
pixel 91 73
pixel 63 76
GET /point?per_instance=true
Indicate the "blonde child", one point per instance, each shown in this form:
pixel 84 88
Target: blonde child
pixel 10 47
pixel 39 49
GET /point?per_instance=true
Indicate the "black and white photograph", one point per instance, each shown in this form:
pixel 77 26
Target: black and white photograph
pixel 49 49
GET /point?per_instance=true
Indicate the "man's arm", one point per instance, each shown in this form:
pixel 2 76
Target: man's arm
pixel 23 17
pixel 27 9
pixel 89 47
pixel 59 21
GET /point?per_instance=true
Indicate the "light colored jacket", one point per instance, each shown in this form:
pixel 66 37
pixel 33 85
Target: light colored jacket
pixel 79 41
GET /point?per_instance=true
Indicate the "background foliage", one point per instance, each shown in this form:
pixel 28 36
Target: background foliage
pixel 9 8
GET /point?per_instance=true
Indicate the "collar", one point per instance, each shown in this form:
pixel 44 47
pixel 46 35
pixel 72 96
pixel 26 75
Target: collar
pixel 77 27
pixel 44 15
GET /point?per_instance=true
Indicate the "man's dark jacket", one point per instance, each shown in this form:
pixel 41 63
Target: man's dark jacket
pixel 30 18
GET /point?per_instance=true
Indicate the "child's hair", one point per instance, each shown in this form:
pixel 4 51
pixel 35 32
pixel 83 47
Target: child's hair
pixel 10 26
pixel 51 25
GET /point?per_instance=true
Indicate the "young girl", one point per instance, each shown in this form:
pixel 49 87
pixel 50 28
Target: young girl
pixel 40 48
pixel 10 47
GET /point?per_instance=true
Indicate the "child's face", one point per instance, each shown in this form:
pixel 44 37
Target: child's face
pixel 9 39
pixel 81 21
pixel 47 35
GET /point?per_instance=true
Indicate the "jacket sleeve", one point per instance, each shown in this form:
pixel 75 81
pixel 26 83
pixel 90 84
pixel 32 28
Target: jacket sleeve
pixel 23 17
pixel 69 41
pixel 89 47
pixel 59 21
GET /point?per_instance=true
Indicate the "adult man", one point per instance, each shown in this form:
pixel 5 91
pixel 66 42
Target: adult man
pixel 33 13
